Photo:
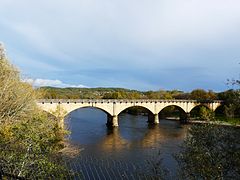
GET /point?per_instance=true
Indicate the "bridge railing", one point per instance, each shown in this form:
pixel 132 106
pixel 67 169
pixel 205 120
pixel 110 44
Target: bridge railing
pixel 125 101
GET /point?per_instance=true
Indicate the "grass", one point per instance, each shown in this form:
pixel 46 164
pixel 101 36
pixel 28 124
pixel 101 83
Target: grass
pixel 233 121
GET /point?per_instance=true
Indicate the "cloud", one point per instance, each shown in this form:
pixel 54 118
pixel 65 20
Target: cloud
pixel 50 82
pixel 115 42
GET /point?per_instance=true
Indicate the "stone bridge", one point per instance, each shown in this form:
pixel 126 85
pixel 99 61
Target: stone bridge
pixel 113 107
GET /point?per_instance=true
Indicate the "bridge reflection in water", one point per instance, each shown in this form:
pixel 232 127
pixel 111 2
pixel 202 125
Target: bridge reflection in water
pixel 132 144
pixel 153 135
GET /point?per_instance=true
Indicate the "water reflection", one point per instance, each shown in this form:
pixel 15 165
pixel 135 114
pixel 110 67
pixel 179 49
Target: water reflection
pixel 113 141
pixel 88 130
pixel 133 142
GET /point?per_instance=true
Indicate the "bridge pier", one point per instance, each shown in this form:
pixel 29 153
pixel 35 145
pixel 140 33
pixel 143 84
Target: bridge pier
pixel 156 119
pixel 153 118
pixel 112 121
pixel 115 121
pixel 185 119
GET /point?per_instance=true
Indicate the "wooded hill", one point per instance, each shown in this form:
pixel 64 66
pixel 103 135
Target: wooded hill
pixel 121 93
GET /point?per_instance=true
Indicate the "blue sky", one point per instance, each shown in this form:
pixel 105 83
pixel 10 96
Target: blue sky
pixel 136 44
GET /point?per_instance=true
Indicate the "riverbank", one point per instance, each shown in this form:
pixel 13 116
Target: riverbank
pixel 213 122
pixel 219 121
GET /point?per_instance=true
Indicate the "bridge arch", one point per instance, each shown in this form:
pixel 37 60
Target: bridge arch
pixel 200 105
pixel 220 111
pixel 174 105
pixel 68 107
pixel 152 117
pixel 83 107
pixel 173 111
pixel 219 105
pixel 109 119
pixel 120 110
pixel 195 112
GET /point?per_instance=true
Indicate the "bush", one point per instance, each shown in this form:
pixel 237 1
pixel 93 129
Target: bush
pixel 210 152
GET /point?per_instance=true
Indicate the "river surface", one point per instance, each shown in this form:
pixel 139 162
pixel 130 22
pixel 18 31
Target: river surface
pixel 123 150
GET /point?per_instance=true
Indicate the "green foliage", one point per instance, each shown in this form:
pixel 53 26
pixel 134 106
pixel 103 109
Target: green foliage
pixel 202 112
pixel 122 95
pixel 232 121
pixel 159 95
pixel 28 137
pixel 38 131
pixel 231 100
pixel 210 152
pixel 206 114
pixel 29 164
pixel 171 111
pixel 107 93
pixel 86 93
pixel 27 148
pixel 202 95
pixel 17 98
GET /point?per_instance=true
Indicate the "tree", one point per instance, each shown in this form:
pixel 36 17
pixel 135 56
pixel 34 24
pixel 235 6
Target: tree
pixel 210 152
pixel 202 95
pixel 206 114
pixel 231 100
pixel 211 95
pixel 17 98
pixel 28 138
pixel 199 94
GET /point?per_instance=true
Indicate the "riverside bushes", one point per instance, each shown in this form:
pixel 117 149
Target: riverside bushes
pixel 210 151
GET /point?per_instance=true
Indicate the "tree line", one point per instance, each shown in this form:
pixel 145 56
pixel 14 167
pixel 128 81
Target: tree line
pixel 120 93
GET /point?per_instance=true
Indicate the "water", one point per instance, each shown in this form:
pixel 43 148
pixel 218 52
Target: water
pixel 126 148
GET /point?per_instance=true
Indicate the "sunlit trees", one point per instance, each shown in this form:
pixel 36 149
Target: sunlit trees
pixel 161 94
pixel 200 94
pixel 27 136
pixel 206 114
pixel 17 98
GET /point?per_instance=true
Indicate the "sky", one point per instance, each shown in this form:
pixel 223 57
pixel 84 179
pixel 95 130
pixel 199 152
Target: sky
pixel 135 44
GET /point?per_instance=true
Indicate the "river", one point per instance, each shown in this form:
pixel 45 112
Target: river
pixel 126 151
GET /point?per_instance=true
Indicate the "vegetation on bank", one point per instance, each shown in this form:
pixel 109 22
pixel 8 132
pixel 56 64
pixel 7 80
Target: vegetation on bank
pixel 231 121
pixel 29 138
pixel 210 152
